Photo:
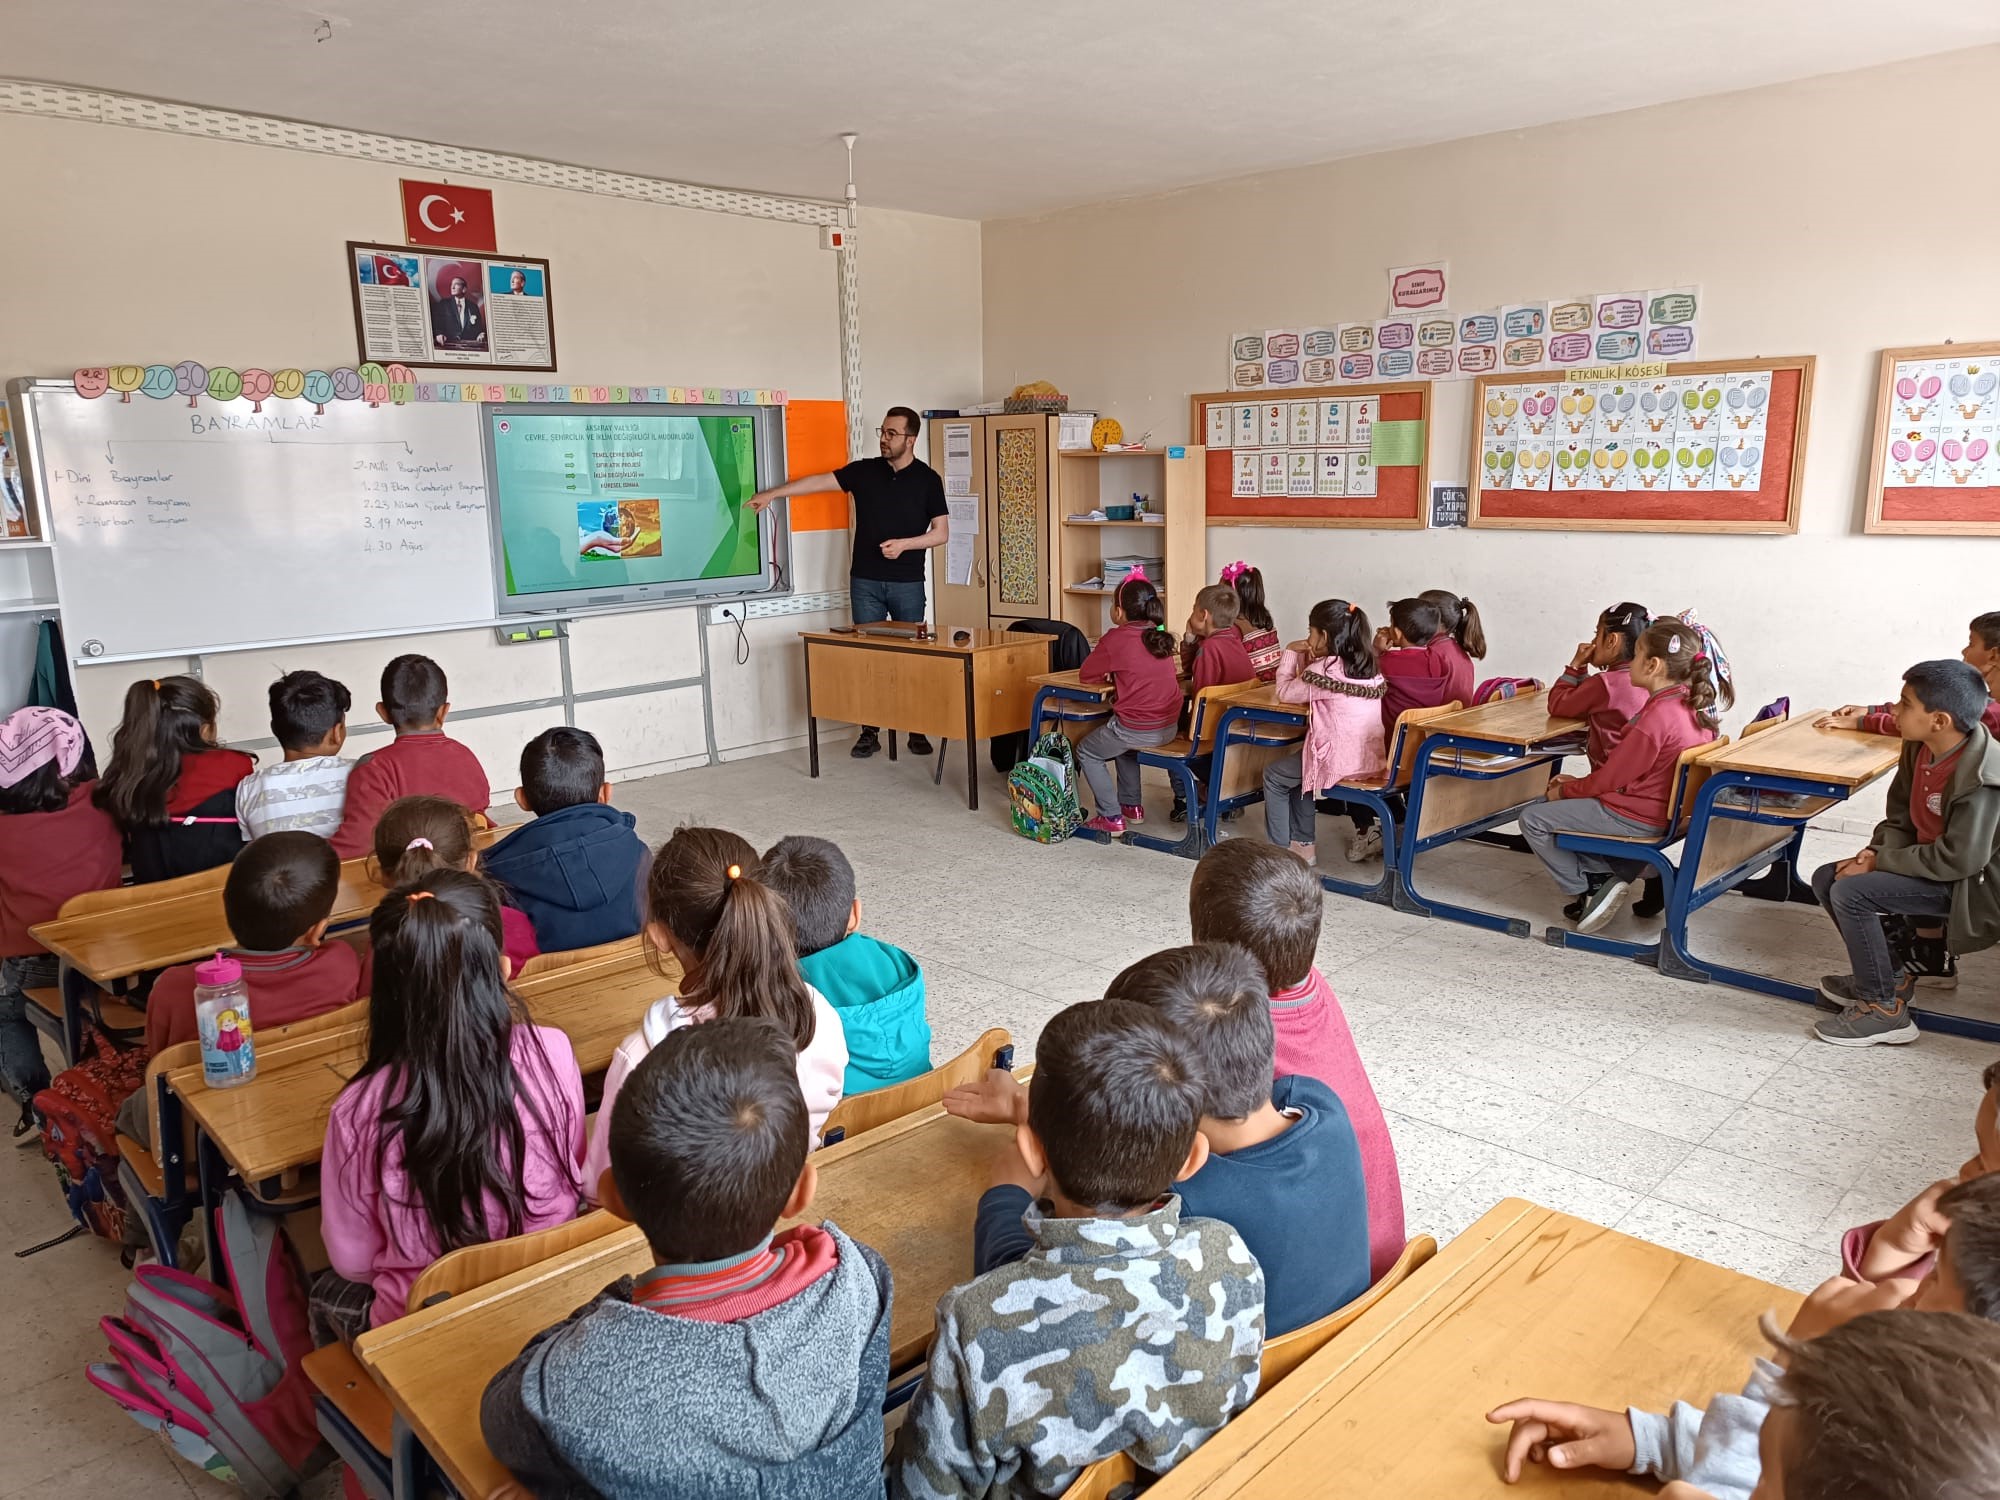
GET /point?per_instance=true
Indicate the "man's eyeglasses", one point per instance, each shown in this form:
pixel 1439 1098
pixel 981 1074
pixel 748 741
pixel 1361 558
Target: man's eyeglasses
pixel 889 432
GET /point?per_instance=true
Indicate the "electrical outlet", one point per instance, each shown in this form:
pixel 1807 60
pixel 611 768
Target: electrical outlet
pixel 772 606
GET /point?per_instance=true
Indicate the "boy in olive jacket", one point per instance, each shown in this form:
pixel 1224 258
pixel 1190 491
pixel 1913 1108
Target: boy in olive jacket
pixel 1933 855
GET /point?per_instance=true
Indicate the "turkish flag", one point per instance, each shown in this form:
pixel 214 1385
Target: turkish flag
pixel 440 213
pixel 388 273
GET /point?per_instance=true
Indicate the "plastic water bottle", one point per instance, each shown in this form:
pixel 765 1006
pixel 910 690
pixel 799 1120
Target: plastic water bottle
pixel 222 1013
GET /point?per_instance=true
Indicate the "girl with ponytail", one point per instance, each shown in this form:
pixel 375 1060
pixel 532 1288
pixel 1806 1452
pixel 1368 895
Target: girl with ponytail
pixel 732 937
pixel 1682 669
pixel 1460 618
pixel 1136 655
pixel 416 835
pixel 465 1123
pixel 170 789
pixel 1333 672
pixel 1253 620
pixel 1607 698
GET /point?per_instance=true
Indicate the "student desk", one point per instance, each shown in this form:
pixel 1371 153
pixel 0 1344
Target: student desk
pixel 908 1189
pixel 1527 1302
pixel 929 686
pixel 1079 706
pixel 1238 727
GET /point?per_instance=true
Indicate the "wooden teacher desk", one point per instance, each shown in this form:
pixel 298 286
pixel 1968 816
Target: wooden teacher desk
pixel 1527 1302
pixel 927 686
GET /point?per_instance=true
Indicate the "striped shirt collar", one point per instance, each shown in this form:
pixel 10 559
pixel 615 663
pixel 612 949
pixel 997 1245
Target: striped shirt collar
pixel 669 1288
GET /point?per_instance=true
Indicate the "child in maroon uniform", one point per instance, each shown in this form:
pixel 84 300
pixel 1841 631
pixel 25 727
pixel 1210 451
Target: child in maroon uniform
pixel 170 788
pixel 1137 657
pixel 1607 699
pixel 421 761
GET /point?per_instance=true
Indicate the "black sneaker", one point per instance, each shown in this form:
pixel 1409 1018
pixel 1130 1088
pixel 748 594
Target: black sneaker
pixel 27 1129
pixel 1934 965
pixel 1869 1024
pixel 1602 903
pixel 866 745
pixel 1178 812
pixel 1573 913
pixel 1653 901
pixel 919 744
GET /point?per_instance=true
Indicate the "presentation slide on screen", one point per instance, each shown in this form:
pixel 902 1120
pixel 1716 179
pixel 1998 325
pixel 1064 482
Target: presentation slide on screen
pixel 609 501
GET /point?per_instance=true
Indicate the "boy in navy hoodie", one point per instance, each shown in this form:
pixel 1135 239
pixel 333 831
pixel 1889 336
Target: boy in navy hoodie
pixel 878 989
pixel 576 869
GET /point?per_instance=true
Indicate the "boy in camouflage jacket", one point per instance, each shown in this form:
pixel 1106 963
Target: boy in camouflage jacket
pixel 1114 1325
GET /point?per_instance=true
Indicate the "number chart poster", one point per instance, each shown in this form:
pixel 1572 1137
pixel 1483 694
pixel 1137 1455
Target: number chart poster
pixel 604 500
pixel 1937 441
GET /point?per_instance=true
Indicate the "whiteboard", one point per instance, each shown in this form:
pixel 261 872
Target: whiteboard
pixel 183 528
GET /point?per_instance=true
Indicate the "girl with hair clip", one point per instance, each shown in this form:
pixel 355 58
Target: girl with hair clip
pixel 169 787
pixel 1136 655
pixel 1333 672
pixel 1597 684
pixel 1253 620
pixel 1460 618
pixel 1682 669
pixel 465 1123
pixel 416 835
pixel 1422 667
pixel 731 934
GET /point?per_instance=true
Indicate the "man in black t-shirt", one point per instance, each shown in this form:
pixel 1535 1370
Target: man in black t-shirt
pixel 899 514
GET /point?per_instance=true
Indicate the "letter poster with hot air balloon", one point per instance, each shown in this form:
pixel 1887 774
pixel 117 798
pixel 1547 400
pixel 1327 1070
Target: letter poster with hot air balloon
pixel 1647 446
pixel 1936 460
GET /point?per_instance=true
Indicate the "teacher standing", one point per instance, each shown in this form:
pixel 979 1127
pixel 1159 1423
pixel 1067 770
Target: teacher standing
pixel 899 515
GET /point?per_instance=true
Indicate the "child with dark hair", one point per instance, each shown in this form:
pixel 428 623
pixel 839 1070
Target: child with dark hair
pixel 416 835
pixel 708 906
pixel 1261 641
pixel 1212 655
pixel 307 790
pixel 1981 652
pixel 1681 667
pixel 1137 657
pixel 1597 685
pixel 1935 854
pixel 577 869
pixel 764 1354
pixel 277 900
pixel 1333 672
pixel 169 787
pixel 1422 666
pixel 1262 899
pixel 877 987
pixel 465 1122
pixel 1085 1268
pixel 55 843
pixel 422 760
pixel 1460 619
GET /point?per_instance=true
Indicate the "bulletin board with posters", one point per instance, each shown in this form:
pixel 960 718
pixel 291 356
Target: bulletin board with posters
pixel 1934 468
pixel 1336 456
pixel 414 306
pixel 1717 445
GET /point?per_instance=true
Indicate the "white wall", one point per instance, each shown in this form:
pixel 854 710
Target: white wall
pixel 131 245
pixel 1814 225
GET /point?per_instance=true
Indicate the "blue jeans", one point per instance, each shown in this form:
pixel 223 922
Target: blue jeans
pixel 874 599
pixel 22 1070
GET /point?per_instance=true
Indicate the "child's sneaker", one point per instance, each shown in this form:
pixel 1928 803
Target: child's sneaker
pixel 1365 846
pixel 1178 812
pixel 1934 965
pixel 1102 824
pixel 1866 1024
pixel 1652 900
pixel 1134 813
pixel 1601 903
pixel 1837 992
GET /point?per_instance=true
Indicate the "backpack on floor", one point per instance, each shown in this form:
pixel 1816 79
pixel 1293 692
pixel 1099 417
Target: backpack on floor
pixel 217 1371
pixel 79 1115
pixel 1042 789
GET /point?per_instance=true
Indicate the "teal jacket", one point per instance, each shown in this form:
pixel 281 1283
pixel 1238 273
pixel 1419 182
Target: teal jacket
pixel 879 991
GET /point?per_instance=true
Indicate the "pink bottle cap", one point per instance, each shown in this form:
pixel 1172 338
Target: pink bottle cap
pixel 218 971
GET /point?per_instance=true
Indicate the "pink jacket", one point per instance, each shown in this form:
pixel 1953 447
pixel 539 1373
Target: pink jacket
pixel 1344 737
pixel 822 1068
pixel 374 1230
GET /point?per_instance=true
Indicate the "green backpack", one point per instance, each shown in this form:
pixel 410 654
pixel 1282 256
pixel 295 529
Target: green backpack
pixel 1042 789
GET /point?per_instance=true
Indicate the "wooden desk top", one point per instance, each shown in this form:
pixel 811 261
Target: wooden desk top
pixel 1522 721
pixel 982 640
pixel 1073 682
pixel 277 1122
pixel 909 1190
pixel 1527 1302
pixel 1798 748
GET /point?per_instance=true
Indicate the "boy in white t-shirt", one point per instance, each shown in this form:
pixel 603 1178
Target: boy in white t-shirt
pixel 307 790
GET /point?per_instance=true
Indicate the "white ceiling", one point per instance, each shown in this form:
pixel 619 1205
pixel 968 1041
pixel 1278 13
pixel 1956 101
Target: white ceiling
pixel 981 110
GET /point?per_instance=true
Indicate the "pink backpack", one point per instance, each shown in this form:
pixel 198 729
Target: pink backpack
pixel 217 1371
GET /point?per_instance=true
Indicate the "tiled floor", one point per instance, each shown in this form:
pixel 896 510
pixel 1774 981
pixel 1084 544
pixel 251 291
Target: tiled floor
pixel 1701 1117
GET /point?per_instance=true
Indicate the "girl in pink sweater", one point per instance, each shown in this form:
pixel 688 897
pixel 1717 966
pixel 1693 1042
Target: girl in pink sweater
pixel 1333 672
pixel 732 936
pixel 465 1123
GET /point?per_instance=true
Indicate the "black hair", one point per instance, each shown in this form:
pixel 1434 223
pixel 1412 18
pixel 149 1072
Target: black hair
pixel 1459 618
pixel 306 708
pixel 1628 622
pixel 1987 628
pixel 1215 995
pixel 1419 620
pixel 708 1137
pixel 1116 1098
pixel 416 835
pixel 165 719
pixel 441 1025
pixel 705 889
pixel 280 887
pixel 45 789
pixel 1348 635
pixel 1973 1242
pixel 413 692
pixel 1250 601
pixel 817 883
pixel 560 768
pixel 1262 898
pixel 1141 605
pixel 1682 648
pixel 910 419
pixel 1949 687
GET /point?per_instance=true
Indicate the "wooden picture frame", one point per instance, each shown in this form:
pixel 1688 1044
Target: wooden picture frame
pixel 422 255
pixel 1928 510
pixel 1798 411
pixel 1411 514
